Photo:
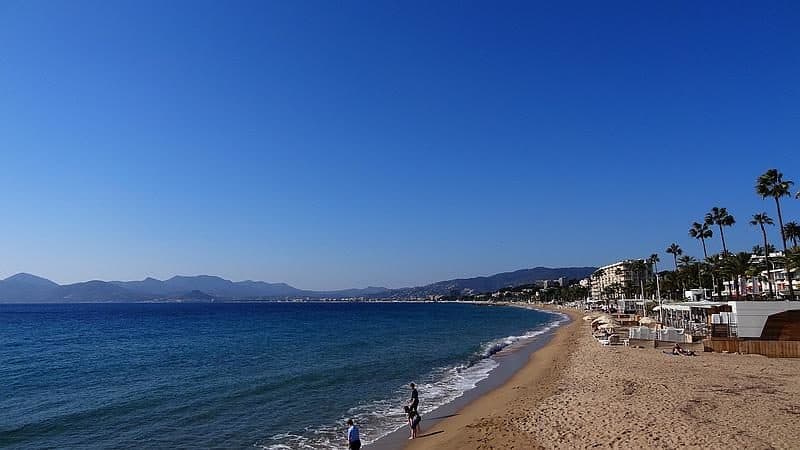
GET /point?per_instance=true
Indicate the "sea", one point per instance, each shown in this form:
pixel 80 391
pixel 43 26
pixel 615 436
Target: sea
pixel 239 375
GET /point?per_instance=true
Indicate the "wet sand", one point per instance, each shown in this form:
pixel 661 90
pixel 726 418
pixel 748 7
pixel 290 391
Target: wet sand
pixel 510 359
pixel 574 393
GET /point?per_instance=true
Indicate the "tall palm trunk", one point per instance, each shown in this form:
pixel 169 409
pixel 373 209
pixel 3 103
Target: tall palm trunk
pixel 713 281
pixel 780 221
pixel 788 267
pixel 722 237
pixel 766 258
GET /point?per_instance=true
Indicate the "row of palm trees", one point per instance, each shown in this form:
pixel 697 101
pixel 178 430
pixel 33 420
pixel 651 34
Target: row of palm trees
pixel 731 266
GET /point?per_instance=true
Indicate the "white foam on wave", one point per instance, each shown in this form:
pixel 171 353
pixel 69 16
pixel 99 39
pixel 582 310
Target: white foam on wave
pixel 493 347
pixel 441 386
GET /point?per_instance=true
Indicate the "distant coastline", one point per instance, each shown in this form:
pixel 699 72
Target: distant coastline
pixel 27 288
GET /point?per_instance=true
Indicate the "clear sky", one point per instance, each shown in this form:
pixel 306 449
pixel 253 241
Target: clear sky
pixel 334 144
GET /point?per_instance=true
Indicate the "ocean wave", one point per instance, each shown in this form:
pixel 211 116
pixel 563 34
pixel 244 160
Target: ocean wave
pixel 441 386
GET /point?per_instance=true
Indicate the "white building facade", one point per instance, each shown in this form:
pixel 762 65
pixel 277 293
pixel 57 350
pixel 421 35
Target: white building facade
pixel 613 280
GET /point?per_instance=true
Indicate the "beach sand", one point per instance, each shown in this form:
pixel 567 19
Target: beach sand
pixel 574 393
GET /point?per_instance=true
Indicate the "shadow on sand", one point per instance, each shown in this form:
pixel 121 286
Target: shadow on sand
pixel 429 434
pixel 441 417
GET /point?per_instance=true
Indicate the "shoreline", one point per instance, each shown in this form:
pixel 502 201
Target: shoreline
pixel 444 422
pixel 576 393
pixel 479 423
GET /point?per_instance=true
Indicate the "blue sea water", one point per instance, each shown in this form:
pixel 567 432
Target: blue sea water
pixel 251 375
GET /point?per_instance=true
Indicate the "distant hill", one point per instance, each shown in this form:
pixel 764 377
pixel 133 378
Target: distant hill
pixel 192 296
pixel 346 293
pixel 212 285
pixel 94 291
pixel 23 287
pixel 492 283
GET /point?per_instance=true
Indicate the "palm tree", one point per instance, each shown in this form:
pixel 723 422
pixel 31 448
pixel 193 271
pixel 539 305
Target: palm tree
pixel 638 267
pixel 675 250
pixel 772 184
pixel 755 270
pixel 721 218
pixel 686 261
pixel 654 260
pixel 757 249
pixel 792 231
pixel 714 264
pixel 702 232
pixel 794 256
pixel 762 219
pixel 735 266
pixel 688 264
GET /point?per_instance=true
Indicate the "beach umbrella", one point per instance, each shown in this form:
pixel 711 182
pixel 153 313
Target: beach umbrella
pixel 601 319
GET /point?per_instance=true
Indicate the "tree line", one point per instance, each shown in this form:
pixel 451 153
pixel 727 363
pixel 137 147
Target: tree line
pixel 726 265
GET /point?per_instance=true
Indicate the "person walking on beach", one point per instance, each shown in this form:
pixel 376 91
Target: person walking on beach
pixel 413 403
pixel 353 440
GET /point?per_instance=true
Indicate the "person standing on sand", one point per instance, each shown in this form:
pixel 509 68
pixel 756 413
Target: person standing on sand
pixel 353 440
pixel 414 402
pixel 413 421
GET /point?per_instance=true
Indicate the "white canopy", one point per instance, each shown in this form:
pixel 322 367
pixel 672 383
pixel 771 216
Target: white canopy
pixel 686 306
pixel 602 319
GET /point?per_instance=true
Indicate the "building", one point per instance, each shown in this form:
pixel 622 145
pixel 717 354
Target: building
pixel 774 279
pixel 777 320
pixel 546 284
pixel 621 279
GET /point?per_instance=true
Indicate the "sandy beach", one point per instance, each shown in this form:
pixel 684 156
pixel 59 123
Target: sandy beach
pixel 574 393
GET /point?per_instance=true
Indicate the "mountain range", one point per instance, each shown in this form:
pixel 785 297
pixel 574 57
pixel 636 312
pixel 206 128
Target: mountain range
pixel 27 288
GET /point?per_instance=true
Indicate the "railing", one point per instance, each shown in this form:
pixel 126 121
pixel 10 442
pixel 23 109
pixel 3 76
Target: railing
pixel 724 330
pixel 697 329
pixel 666 334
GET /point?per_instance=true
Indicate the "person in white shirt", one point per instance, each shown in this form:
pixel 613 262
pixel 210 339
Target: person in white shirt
pixel 353 440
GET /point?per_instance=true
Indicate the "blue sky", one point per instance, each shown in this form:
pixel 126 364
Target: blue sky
pixel 343 144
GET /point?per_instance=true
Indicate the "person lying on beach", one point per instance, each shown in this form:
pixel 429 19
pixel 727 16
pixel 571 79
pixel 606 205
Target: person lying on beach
pixel 679 351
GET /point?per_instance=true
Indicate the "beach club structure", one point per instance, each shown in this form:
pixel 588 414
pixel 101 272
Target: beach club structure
pixel 766 327
pixel 770 328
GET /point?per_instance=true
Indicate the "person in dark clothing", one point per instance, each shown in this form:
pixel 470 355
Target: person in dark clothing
pixel 414 402
pixel 353 439
pixel 414 419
